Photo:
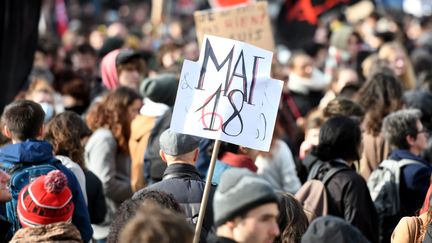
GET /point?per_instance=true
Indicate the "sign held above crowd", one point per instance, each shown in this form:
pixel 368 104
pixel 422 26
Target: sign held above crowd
pixel 246 23
pixel 228 94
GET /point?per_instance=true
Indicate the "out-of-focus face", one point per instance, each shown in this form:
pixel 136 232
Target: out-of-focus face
pixel 42 96
pixel 97 39
pixel 346 76
pixel 303 66
pixel 397 62
pixel 4 189
pixel 191 51
pixel 39 60
pixel 134 109
pixel 353 46
pixel 117 29
pixel 259 225
pixel 84 62
pixel 130 77
pixel 171 58
pixel 421 140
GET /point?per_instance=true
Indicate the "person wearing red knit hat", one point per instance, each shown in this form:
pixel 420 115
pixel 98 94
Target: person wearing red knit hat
pixel 45 210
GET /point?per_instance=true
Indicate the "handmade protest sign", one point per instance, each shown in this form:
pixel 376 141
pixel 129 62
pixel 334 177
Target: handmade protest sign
pixel 228 94
pixel 248 23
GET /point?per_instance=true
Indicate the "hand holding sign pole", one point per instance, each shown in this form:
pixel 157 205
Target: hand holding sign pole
pixel 227 95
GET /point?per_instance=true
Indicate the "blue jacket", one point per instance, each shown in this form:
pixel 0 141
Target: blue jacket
pixel 35 151
pixel 414 182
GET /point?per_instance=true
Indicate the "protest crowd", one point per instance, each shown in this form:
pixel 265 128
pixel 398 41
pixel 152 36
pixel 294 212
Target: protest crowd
pixel 87 153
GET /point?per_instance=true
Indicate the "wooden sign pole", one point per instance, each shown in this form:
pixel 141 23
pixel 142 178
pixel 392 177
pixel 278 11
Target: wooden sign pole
pixel 206 191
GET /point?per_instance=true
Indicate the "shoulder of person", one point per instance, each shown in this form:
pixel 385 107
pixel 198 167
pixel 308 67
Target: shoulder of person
pixel 408 229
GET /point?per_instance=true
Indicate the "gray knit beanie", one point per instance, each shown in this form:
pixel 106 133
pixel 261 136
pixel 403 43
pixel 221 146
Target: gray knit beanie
pixel 160 89
pixel 239 191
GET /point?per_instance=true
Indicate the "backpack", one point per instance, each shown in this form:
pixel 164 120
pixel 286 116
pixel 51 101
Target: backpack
pixel 313 195
pixel 21 175
pixel 384 183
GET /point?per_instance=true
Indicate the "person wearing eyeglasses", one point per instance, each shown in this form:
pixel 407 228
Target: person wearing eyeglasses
pixel 407 138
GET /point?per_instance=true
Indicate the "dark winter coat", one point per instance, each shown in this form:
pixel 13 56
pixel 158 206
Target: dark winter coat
pixel 184 182
pixel 349 198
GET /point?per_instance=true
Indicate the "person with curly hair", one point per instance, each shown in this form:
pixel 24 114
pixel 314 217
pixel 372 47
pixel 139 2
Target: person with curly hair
pixel 66 143
pixel 107 151
pixel 68 147
pixel 379 96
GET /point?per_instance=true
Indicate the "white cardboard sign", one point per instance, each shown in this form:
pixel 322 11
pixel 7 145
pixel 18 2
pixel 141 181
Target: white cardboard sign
pixel 228 94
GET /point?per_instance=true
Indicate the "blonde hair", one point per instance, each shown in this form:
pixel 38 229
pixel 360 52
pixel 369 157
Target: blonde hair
pixel 408 77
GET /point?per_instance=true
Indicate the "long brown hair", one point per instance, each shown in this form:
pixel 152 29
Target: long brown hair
pixel 408 77
pixel 292 220
pixel 110 114
pixel 380 95
pixel 64 133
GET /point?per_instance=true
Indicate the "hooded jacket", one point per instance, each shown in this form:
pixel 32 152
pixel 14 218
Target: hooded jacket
pixel 37 151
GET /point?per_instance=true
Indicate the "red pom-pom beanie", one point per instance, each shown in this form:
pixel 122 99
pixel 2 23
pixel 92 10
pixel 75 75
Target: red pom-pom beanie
pixel 46 200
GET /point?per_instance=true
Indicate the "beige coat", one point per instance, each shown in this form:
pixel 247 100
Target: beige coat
pixel 409 230
pixel 375 150
pixel 141 128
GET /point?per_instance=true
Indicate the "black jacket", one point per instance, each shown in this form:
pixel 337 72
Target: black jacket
pixel 184 182
pixel 4 229
pixel 349 198
pixel 96 200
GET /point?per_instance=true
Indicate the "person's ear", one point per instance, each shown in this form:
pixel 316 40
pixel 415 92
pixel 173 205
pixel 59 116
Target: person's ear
pixel 410 140
pixel 7 132
pixel 231 224
pixel 162 155
pixel 41 131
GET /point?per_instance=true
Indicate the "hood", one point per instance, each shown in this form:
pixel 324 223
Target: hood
pixel 151 108
pixel 29 151
pixel 108 70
